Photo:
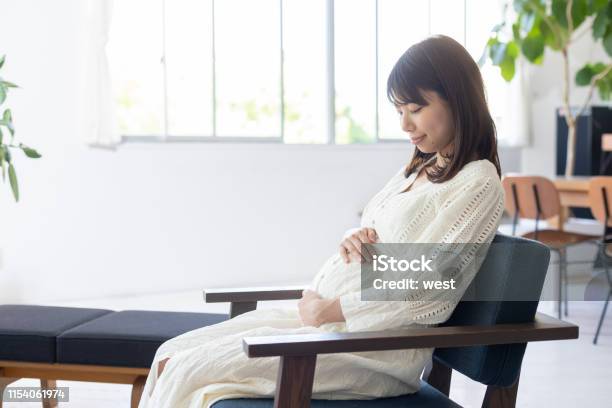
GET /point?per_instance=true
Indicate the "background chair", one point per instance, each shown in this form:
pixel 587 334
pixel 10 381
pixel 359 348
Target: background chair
pixel 485 339
pixel 536 198
pixel 600 200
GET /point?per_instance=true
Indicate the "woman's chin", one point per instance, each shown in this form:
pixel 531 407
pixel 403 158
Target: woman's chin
pixel 424 149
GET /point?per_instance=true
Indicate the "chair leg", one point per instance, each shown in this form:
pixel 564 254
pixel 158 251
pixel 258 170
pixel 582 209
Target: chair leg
pixel 565 283
pixel 439 377
pixel 137 389
pixel 295 381
pixel 559 286
pixel 601 318
pixel 4 382
pixel 501 397
pixel 49 385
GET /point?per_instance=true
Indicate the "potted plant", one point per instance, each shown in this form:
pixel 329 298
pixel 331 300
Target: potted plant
pixel 7 139
pixel 556 24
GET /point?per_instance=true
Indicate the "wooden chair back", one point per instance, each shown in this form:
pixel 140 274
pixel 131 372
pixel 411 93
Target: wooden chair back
pixel 600 199
pixel 534 197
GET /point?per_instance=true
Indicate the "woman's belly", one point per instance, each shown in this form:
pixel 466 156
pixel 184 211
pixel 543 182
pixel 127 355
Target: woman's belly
pixel 336 278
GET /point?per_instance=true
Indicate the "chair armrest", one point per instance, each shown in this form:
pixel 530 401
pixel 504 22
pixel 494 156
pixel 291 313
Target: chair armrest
pixel 243 300
pixel 543 328
pixel 252 294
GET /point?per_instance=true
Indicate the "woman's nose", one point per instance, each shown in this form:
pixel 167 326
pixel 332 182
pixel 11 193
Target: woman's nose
pixel 407 124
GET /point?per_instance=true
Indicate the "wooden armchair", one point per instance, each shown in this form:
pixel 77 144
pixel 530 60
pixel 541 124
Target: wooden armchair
pixel 484 339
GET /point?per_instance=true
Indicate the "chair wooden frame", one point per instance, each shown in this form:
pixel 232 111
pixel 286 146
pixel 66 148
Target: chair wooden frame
pixel 298 353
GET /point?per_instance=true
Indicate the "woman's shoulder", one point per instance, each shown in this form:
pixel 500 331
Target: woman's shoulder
pixel 478 168
pixel 474 175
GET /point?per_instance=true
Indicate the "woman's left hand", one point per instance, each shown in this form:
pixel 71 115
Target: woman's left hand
pixel 315 311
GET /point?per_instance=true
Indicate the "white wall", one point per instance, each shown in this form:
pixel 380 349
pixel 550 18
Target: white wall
pixel 547 95
pixel 159 217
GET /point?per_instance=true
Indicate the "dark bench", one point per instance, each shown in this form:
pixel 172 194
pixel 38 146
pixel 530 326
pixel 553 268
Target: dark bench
pixel 485 340
pixel 65 343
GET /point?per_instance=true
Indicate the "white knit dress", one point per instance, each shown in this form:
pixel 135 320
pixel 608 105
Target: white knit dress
pixel 208 364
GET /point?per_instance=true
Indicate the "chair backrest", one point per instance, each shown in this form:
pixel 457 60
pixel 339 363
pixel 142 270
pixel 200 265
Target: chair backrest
pixel 530 194
pixel 600 199
pixel 512 275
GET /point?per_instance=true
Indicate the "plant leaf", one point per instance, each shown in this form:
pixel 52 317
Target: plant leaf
pixel 2 58
pixel 512 49
pixel 13 181
pixel 527 21
pixel 607 42
pixel 8 84
pixel 497 52
pixel 7 120
pixel 2 163
pixel 549 37
pixel 31 153
pixel 604 89
pixel 584 75
pixel 600 24
pixel 595 5
pixel 533 47
pixel 507 68
pixel 579 12
pixel 2 94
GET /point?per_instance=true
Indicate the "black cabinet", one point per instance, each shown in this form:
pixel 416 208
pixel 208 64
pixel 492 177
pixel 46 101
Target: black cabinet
pixel 590 126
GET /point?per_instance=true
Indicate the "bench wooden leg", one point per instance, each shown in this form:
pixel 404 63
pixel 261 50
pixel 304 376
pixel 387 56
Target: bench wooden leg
pixel 137 389
pixel 501 397
pixel 4 382
pixel 49 385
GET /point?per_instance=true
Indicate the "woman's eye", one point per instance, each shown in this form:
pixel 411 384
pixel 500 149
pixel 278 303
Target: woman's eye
pixel 416 110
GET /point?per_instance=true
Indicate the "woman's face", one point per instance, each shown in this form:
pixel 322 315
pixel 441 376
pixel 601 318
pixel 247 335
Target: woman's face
pixel 430 127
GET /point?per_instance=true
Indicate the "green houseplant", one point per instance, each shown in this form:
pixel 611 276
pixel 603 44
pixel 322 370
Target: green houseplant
pixel 7 139
pixel 556 24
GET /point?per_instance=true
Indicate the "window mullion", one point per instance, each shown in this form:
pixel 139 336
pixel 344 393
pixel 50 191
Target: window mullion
pixel 376 73
pixel 331 93
pixel 164 71
pixel 214 73
pixel 282 77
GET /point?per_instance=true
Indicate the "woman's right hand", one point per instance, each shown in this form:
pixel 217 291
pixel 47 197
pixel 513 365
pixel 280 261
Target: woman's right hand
pixel 351 248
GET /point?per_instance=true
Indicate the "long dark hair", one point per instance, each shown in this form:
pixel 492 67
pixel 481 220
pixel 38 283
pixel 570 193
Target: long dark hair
pixel 441 64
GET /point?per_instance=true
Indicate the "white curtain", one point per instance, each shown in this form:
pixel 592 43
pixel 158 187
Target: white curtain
pixel 515 127
pixel 99 123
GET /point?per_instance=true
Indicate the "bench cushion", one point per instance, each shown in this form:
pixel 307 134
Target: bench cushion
pixel 28 332
pixel 427 397
pixel 129 338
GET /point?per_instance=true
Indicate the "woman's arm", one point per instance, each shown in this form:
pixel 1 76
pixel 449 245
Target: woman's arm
pixel 315 311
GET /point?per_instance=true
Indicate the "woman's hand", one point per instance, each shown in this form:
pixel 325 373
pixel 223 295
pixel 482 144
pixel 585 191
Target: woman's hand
pixel 315 311
pixel 350 247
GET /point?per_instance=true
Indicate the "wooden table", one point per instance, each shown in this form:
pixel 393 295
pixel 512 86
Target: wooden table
pixel 573 192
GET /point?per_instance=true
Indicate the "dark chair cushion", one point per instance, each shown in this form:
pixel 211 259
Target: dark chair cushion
pixel 506 289
pixel 427 397
pixel 129 338
pixel 28 332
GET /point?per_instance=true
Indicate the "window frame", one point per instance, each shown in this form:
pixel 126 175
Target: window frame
pixel 330 138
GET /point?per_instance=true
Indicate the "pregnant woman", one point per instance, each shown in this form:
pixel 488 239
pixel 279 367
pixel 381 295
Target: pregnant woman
pixel 450 192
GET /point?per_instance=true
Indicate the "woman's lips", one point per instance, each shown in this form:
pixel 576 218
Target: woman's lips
pixel 417 140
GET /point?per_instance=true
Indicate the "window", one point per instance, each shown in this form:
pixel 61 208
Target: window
pixel 292 71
